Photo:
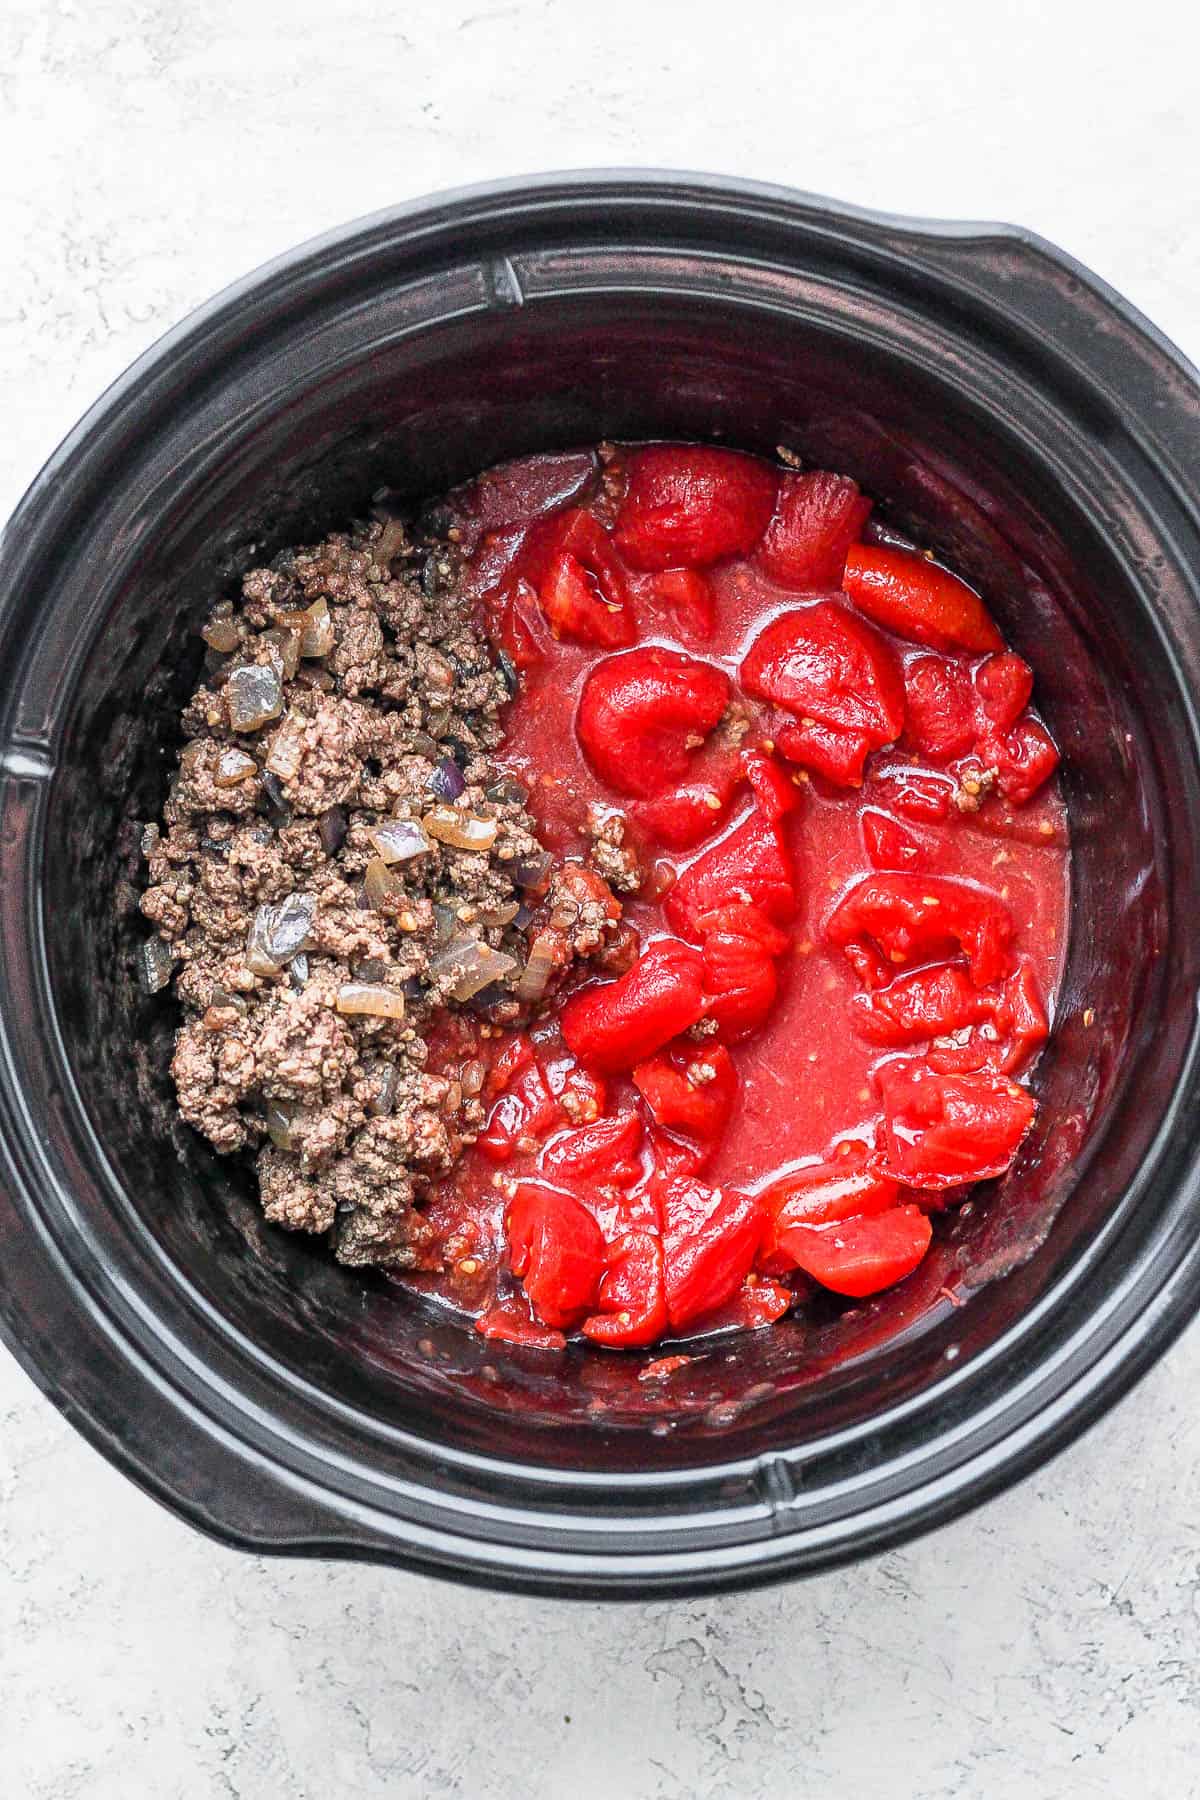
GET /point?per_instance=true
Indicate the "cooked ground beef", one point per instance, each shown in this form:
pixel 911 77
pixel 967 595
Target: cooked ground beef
pixel 612 854
pixel 339 862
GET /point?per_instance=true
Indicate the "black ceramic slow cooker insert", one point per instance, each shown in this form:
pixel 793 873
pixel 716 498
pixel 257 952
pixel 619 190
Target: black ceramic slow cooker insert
pixel 1002 406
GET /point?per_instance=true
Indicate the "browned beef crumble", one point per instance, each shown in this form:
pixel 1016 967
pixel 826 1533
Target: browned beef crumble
pixel 352 690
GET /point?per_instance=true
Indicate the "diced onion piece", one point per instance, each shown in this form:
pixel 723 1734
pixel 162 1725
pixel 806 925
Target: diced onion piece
pixel 536 974
pixel 233 766
pixel 312 626
pixel 226 997
pixel 508 792
pixel 385 1100
pixel 532 871
pixel 287 750
pixel 291 925
pixel 382 888
pixel 253 696
pixel 318 637
pixel 156 961
pixel 333 826
pixel 290 618
pixel 461 830
pixel 279 932
pixel 445 922
pixel 370 998
pixel 257 960
pixel 399 840
pixel 278 810
pixel 279 1121
pixel 474 964
pixel 445 780
pixel 287 645
pixel 501 915
pixel 221 635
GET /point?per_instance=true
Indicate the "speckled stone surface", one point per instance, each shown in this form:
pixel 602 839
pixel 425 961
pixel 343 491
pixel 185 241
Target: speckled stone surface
pixel 150 152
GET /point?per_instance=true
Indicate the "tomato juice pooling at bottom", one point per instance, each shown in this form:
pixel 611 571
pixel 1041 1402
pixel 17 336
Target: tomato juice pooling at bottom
pixel 804 770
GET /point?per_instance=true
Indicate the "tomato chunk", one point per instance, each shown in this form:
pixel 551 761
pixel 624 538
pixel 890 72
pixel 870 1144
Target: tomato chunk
pixel 926 1004
pixel 816 519
pixel 916 794
pixel 1021 1019
pixel 575 607
pixel 632 1300
pixel 840 680
pixel 577 533
pixel 513 1325
pixel 492 565
pixel 709 1243
pixel 1005 686
pixel 758 1302
pixel 739 945
pixel 670 1159
pixel 524 1112
pixel 888 844
pixel 687 599
pixel 740 984
pixel 940 708
pixel 696 808
pixel 751 865
pixel 620 1023
pixel 845 1187
pixel 1024 758
pixel 638 712
pixel 739 920
pixel 842 1188
pixel 604 1152
pixel 911 596
pixel 684 817
pixel 521 629
pixel 689 1088
pixel 862 1256
pixel 997 1029
pixel 773 788
pixel 691 505
pixel 528 488
pixel 556 1248
pixel 510 1059
pixel 914 916
pixel 580 1092
pixel 840 756
pixel 943 1130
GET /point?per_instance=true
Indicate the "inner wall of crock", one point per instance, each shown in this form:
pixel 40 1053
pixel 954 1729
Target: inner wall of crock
pixel 428 411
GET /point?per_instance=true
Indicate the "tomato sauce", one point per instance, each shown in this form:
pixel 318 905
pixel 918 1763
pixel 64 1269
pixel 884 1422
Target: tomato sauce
pixel 902 785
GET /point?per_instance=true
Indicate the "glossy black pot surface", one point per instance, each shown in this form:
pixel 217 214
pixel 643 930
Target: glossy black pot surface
pixel 1002 406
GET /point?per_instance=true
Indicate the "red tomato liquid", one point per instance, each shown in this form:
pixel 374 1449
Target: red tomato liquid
pixel 807 1078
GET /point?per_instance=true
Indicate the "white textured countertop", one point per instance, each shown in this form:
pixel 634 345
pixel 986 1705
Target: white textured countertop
pixel 149 153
